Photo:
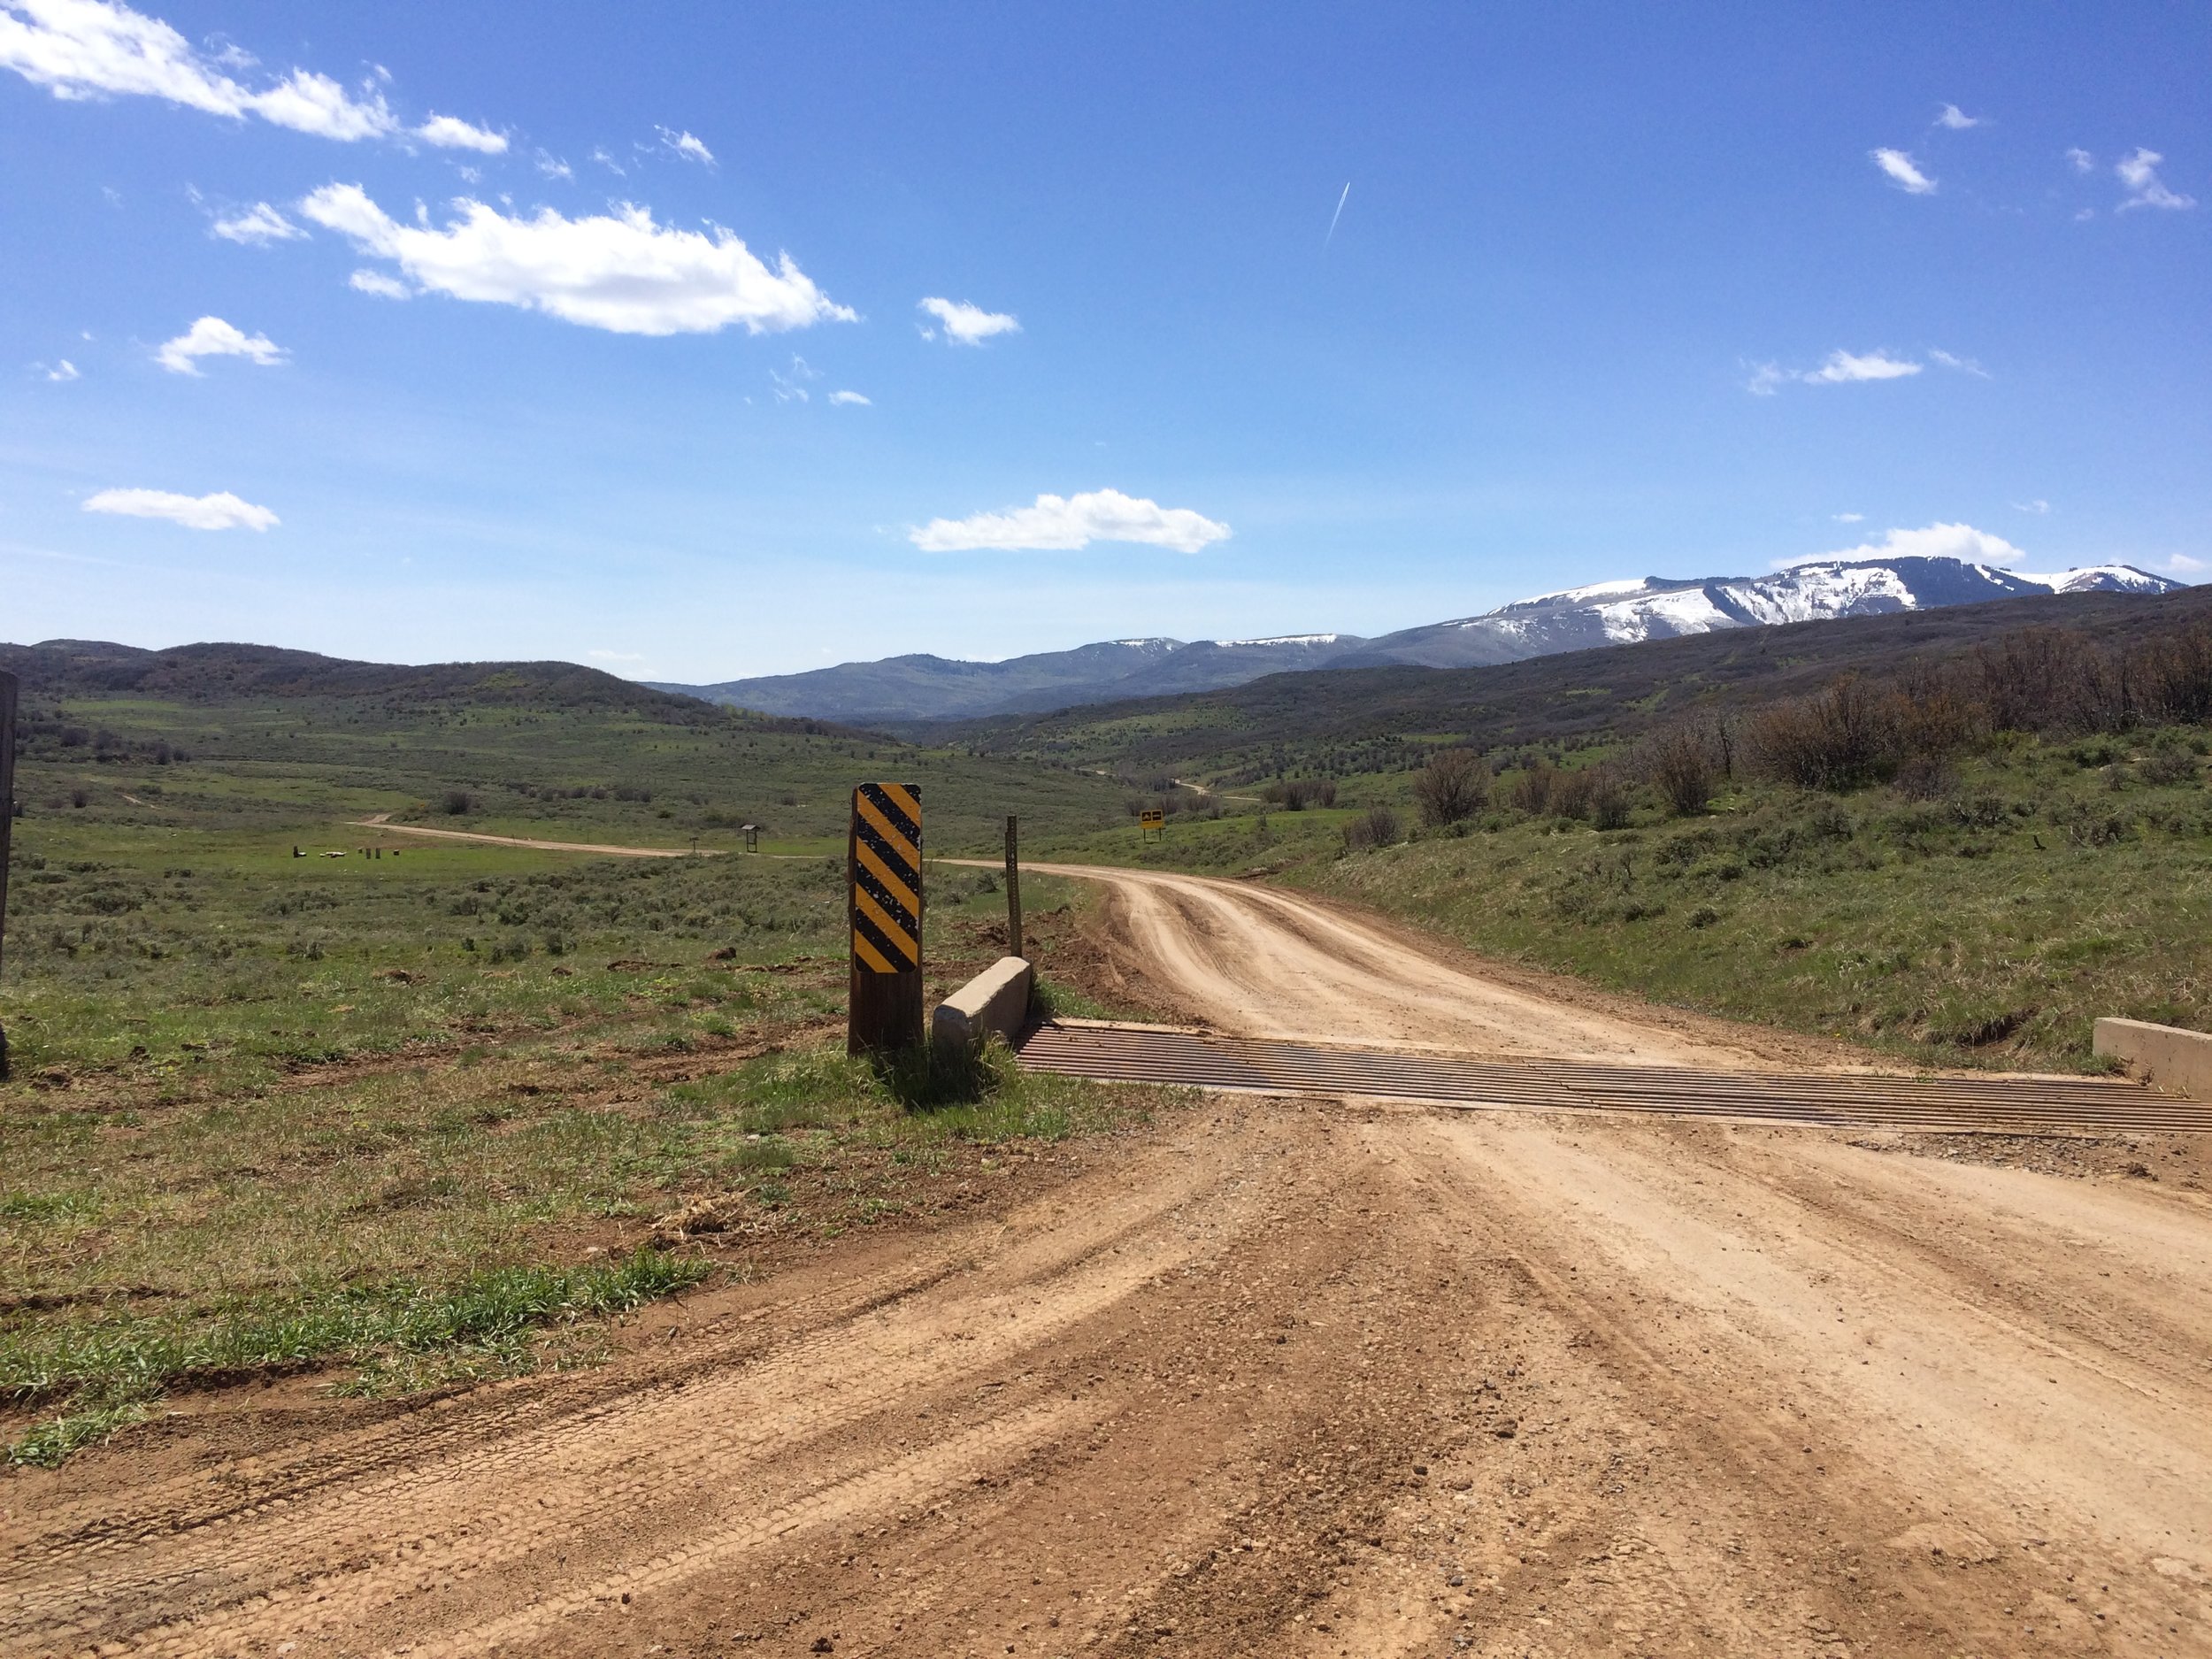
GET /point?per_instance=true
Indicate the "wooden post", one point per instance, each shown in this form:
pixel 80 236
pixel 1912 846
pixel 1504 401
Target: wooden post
pixel 1013 890
pixel 7 824
pixel 883 866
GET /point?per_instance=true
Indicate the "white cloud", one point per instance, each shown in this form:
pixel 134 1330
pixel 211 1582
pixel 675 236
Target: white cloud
pixel 2081 159
pixel 94 49
pixel 851 397
pixel 63 370
pixel 314 103
pixel 1067 522
pixel 1850 517
pixel 621 272
pixel 2182 564
pixel 600 155
pixel 384 288
pixel 212 337
pixel 616 656
pixel 1957 119
pixel 1936 540
pixel 1903 171
pixel 1964 365
pixel 685 145
pixel 553 167
pixel 2139 173
pixel 1844 367
pixel 221 512
pixel 1840 368
pixel 450 132
pixel 968 325
pixel 791 385
pixel 257 226
pixel 2039 505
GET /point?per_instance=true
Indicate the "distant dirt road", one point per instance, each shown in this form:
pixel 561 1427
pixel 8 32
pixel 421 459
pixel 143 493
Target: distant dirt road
pixel 1264 963
pixel 382 821
pixel 1282 1377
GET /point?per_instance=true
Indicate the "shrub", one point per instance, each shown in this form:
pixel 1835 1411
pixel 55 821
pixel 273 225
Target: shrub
pixel 1837 738
pixel 2168 764
pixel 1532 789
pixel 1452 787
pixel 1679 762
pixel 1926 778
pixel 1609 800
pixel 1295 794
pixel 1570 793
pixel 454 802
pixel 1377 826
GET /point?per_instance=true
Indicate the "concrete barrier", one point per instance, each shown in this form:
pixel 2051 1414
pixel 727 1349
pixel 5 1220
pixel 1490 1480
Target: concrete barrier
pixel 996 1002
pixel 2166 1057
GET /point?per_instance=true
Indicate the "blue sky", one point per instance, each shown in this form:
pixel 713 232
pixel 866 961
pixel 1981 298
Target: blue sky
pixel 525 325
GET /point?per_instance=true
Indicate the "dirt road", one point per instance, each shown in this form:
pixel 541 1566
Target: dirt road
pixel 1283 1377
pixel 1262 963
pixel 382 821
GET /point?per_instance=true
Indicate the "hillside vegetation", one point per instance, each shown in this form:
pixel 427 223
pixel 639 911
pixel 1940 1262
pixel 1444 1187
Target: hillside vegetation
pixel 1345 723
pixel 443 1111
pixel 1963 860
pixel 656 770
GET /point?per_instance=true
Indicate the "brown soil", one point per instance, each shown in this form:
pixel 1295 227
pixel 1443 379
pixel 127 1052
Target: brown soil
pixel 1279 1377
pixel 1260 962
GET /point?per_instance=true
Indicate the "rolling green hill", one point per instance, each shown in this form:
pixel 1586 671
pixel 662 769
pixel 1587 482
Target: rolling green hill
pixel 1345 722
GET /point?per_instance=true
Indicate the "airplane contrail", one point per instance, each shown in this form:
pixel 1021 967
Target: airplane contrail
pixel 1338 213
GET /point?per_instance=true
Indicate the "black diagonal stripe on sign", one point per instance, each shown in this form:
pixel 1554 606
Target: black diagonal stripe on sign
pixel 866 881
pixel 889 949
pixel 900 857
pixel 882 800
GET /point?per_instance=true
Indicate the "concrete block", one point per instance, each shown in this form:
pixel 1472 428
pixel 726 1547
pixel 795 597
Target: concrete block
pixel 2169 1059
pixel 996 1002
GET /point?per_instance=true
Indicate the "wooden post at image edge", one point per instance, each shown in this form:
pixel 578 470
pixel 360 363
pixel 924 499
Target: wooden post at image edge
pixel 1013 888
pixel 7 824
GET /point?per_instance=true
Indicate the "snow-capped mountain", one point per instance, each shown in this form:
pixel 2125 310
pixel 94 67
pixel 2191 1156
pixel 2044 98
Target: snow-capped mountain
pixel 1605 613
pixel 1622 613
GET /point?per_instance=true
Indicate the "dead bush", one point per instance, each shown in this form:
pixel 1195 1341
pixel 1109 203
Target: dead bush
pixel 1609 799
pixel 1295 794
pixel 1377 826
pixel 1570 793
pixel 1837 738
pixel 1452 787
pixel 1530 790
pixel 1682 766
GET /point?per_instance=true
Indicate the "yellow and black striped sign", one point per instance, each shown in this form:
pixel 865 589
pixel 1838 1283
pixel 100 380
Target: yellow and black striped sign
pixel 886 868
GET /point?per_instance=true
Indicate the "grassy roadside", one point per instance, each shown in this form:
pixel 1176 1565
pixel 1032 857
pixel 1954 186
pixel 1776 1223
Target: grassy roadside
pixel 439 1115
pixel 2048 883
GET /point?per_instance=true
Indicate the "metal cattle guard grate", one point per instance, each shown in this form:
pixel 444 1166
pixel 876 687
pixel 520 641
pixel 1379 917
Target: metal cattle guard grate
pixel 2022 1105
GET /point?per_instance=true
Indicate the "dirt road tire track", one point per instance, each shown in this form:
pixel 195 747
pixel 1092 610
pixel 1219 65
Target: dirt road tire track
pixel 1288 1378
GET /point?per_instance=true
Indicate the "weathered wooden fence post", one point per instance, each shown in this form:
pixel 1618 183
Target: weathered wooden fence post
pixel 7 824
pixel 1013 889
pixel 883 864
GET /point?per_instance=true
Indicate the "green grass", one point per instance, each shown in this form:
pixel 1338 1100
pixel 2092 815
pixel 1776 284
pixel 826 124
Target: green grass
pixel 2055 882
pixel 301 767
pixel 408 1118
pixel 1992 926
pixel 110 1370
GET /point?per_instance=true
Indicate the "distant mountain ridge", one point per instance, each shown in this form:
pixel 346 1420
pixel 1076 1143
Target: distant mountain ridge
pixel 924 687
pixel 226 672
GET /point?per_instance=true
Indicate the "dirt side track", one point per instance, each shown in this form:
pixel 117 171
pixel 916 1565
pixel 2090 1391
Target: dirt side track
pixel 1282 1377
